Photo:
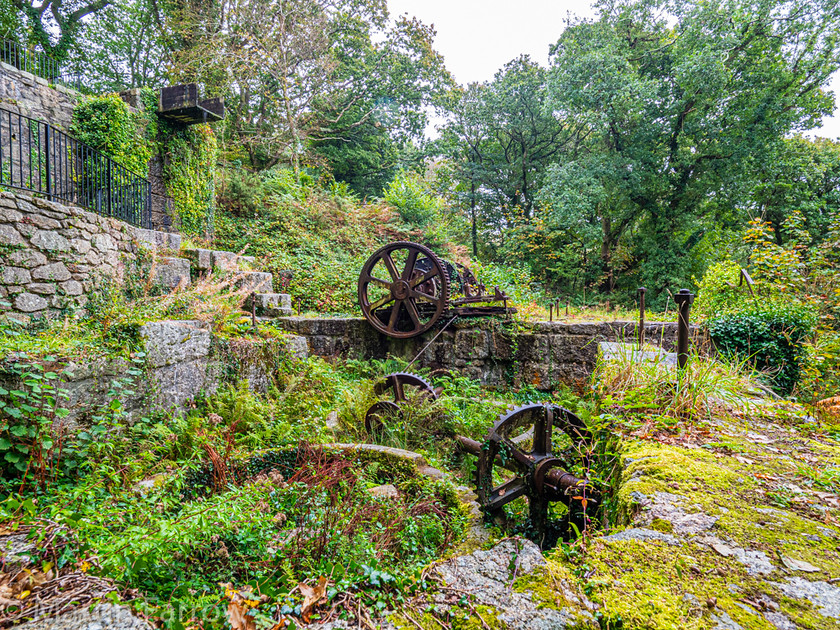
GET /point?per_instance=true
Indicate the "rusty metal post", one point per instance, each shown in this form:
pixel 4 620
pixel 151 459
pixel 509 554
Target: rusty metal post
pixel 684 300
pixel 254 310
pixel 551 312
pixel 642 292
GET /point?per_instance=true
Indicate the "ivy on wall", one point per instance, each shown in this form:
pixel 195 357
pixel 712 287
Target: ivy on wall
pixel 189 166
pixel 107 124
pixel 132 138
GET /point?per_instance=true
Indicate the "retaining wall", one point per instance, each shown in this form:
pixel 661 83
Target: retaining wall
pixel 52 256
pixel 32 96
pixel 541 354
pixel 183 359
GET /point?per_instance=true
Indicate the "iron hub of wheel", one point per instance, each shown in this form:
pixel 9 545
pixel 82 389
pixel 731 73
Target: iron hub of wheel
pixel 400 289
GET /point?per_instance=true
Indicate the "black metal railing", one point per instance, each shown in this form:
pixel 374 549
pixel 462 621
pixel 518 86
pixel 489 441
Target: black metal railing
pixel 39 158
pixel 38 63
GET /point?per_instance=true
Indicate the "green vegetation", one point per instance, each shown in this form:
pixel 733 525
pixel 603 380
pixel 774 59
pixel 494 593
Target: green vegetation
pixel 771 335
pixel 664 145
pixel 188 154
pixel 106 124
pixel 189 163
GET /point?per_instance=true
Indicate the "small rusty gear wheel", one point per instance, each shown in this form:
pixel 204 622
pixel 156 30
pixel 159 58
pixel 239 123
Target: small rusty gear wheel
pixel 404 289
pixel 521 442
pixel 399 386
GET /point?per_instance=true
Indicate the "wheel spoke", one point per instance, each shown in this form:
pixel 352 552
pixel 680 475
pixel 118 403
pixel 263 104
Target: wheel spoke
pixel 399 391
pixel 419 295
pixel 424 278
pixel 391 267
pixel 381 302
pixel 523 461
pixel 542 431
pixel 505 493
pixel 412 312
pixel 409 264
pixel 395 313
pixel 378 281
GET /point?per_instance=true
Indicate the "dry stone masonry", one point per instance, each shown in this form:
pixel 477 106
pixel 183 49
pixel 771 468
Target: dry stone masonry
pixel 26 94
pixel 52 255
pixel 541 354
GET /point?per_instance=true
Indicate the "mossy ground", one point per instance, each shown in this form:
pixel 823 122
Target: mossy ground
pixel 771 483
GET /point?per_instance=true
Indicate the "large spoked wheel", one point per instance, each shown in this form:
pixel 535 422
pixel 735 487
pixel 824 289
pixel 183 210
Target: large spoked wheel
pixel 522 451
pixel 403 289
pixel 396 389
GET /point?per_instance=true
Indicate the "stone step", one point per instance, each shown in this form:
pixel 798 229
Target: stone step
pixel 205 260
pixel 256 281
pixel 170 272
pixel 273 304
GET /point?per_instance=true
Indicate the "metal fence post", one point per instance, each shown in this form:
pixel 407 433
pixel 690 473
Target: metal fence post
pixel 642 292
pixel 147 219
pixel 47 158
pixel 684 300
pixel 108 186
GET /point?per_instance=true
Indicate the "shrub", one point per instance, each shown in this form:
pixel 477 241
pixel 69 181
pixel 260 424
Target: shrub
pixel 718 291
pixel 108 125
pixel 283 183
pixel 515 279
pixel 821 374
pixel 770 336
pixel 411 197
pixel 241 192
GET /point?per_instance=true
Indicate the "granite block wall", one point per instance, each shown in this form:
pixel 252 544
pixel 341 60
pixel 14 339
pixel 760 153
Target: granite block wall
pixel 542 354
pixel 52 256
pixel 32 96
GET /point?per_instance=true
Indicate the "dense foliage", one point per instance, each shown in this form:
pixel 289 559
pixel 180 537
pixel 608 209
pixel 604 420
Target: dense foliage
pixel 189 157
pixel 108 125
pixel 664 146
pixel 770 335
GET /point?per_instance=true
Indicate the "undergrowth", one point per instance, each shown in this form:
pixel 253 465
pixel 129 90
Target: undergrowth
pixel 651 390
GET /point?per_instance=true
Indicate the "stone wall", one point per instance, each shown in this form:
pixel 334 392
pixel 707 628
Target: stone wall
pixel 32 96
pixel 52 255
pixel 29 95
pixel 541 354
pixel 183 359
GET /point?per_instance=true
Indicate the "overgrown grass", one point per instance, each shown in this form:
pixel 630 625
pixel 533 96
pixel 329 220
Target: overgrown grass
pixel 110 322
pixel 653 391
pixel 140 512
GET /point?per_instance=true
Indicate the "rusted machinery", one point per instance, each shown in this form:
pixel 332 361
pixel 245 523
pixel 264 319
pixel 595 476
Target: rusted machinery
pixel 523 455
pixel 405 289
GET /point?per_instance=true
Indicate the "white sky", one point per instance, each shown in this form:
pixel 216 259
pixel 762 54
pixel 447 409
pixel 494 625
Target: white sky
pixel 477 37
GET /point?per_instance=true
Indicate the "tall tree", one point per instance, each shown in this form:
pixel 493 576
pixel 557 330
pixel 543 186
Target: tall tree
pixel 373 124
pixel 502 139
pixel 121 47
pixel 803 176
pixel 527 136
pixel 11 21
pixel 324 72
pixel 466 140
pixel 55 24
pixel 685 99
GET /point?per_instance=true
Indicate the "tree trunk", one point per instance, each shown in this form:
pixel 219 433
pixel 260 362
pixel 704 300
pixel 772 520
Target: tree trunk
pixel 608 283
pixel 472 214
